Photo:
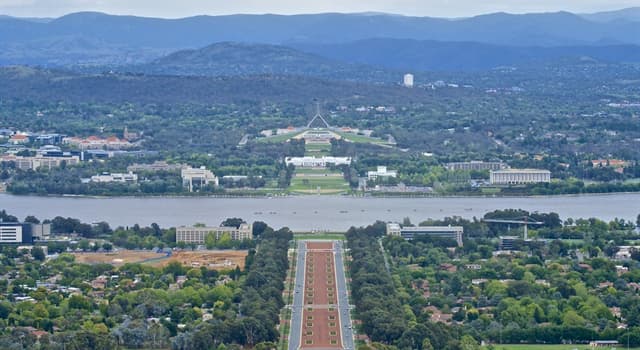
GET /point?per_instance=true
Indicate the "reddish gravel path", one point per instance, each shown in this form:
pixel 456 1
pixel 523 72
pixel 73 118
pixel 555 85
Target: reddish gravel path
pixel 321 325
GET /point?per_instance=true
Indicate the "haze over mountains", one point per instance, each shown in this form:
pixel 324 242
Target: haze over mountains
pixel 318 44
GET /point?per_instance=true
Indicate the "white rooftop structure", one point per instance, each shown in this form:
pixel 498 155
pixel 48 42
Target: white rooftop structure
pixel 382 171
pixel 317 162
pixel 201 176
pixel 115 177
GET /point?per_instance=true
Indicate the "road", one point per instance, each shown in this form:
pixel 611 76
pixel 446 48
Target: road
pixel 343 298
pixel 295 331
pixel 319 305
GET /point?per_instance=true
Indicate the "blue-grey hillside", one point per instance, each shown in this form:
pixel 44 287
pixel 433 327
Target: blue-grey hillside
pixel 99 39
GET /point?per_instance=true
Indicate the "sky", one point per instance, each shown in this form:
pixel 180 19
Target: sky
pixel 185 8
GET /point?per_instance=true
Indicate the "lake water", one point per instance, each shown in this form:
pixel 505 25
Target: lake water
pixel 306 213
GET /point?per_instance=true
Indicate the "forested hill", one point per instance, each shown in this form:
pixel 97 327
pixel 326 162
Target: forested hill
pixel 241 59
pixel 100 39
pixel 40 85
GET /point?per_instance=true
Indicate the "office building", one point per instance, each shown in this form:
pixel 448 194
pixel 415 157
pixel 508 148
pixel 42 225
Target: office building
pixel 475 165
pixel 194 178
pixel 519 176
pixel 408 80
pixel 20 233
pixel 197 235
pixel 381 171
pixel 115 177
pixel 37 162
pixel 451 232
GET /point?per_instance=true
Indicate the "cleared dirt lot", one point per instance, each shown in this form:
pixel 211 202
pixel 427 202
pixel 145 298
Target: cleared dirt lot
pixel 212 259
pixel 122 256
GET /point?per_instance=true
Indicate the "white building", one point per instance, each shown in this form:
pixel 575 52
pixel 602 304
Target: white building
pixel 451 232
pixel 200 176
pixel 317 162
pixel 35 163
pixel 11 233
pixel 381 172
pixel 475 165
pixel 115 177
pixel 519 176
pixel 408 80
pixel 197 235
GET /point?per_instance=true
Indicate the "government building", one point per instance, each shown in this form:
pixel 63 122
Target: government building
pixel 410 232
pixel 197 235
pixel 519 176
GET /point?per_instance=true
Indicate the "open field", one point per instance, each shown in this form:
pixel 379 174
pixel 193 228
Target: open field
pixel 117 258
pixel 318 181
pixel 212 259
pixel 279 138
pixel 360 138
pixel 319 236
pixel 548 347
pixel 317 149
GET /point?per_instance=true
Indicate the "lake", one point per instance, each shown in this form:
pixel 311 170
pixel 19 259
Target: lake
pixel 307 213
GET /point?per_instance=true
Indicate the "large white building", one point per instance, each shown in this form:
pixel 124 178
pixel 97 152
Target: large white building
pixel 519 176
pixel 37 162
pixel 115 177
pixel 317 162
pixel 199 176
pixel 475 165
pixel 382 171
pixel 451 232
pixel 197 235
pixel 408 80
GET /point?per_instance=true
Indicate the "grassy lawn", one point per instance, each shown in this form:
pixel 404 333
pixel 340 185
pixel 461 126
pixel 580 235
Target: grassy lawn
pixel 318 181
pixel 315 149
pixel 279 138
pixel 548 347
pixel 322 236
pixel 360 138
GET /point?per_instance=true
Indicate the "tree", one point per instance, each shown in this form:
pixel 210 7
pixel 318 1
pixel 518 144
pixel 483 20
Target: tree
pixel 469 343
pixel 38 253
pixel 233 222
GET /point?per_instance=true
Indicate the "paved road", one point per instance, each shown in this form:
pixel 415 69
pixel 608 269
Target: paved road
pixel 297 307
pixel 343 298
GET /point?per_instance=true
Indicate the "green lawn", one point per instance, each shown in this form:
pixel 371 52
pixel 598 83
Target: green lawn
pixel 321 181
pixel 360 138
pixel 321 236
pixel 315 149
pixel 279 138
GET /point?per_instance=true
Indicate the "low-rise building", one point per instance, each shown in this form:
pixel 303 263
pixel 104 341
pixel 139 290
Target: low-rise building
pixel 381 171
pixel 519 176
pixel 115 177
pixel 197 235
pixel 17 232
pixel 197 177
pixel 317 162
pixel 155 166
pixel 475 165
pixel 410 232
pixel 37 162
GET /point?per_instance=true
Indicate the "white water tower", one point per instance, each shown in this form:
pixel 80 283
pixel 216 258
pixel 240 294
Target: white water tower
pixel 408 80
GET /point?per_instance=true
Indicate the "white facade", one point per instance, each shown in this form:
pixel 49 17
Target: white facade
pixel 381 172
pixel 519 176
pixel 11 234
pixel 35 163
pixel 451 232
pixel 115 177
pixel 200 175
pixel 197 235
pixel 408 80
pixel 317 162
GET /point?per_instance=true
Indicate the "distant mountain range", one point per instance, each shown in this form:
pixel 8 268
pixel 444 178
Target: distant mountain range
pixel 332 42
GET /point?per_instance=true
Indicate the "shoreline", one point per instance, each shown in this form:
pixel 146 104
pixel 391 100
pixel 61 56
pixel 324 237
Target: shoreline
pixel 296 195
